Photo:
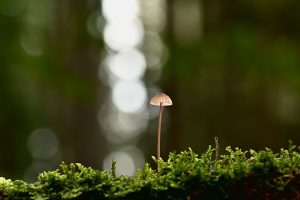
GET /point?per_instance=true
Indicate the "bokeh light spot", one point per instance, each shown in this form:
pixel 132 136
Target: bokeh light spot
pixel 42 144
pixel 120 10
pixel 132 123
pixel 123 36
pixel 127 65
pixel 129 96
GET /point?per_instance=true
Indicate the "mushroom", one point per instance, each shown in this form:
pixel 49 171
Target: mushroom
pixel 160 100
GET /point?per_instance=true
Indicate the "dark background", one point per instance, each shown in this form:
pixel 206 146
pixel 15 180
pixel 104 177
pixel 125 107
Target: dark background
pixel 232 69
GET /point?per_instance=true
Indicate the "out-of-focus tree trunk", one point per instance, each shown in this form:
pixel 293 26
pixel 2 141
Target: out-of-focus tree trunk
pixel 78 54
pixel 170 83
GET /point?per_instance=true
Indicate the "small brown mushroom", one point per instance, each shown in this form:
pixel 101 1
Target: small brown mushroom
pixel 160 100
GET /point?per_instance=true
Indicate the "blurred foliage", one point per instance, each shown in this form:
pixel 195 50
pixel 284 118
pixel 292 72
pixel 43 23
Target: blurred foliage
pixel 239 79
pixel 47 76
pixel 234 72
pixel 186 175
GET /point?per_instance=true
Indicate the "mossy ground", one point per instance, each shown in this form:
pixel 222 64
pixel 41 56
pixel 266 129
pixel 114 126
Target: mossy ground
pixel 186 175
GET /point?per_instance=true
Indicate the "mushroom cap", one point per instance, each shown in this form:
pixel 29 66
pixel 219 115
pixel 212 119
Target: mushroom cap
pixel 162 98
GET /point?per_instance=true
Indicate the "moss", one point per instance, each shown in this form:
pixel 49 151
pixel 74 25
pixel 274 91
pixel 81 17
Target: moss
pixel 186 175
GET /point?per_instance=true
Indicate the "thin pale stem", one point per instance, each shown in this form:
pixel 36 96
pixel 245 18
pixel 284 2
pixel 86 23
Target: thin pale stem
pixel 217 148
pixel 158 132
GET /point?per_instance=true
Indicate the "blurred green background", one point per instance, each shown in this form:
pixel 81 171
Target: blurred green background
pixel 77 77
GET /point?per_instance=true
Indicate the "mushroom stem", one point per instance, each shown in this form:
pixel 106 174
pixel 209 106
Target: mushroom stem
pixel 160 100
pixel 159 130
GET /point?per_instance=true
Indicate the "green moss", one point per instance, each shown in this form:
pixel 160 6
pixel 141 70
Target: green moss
pixel 186 175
